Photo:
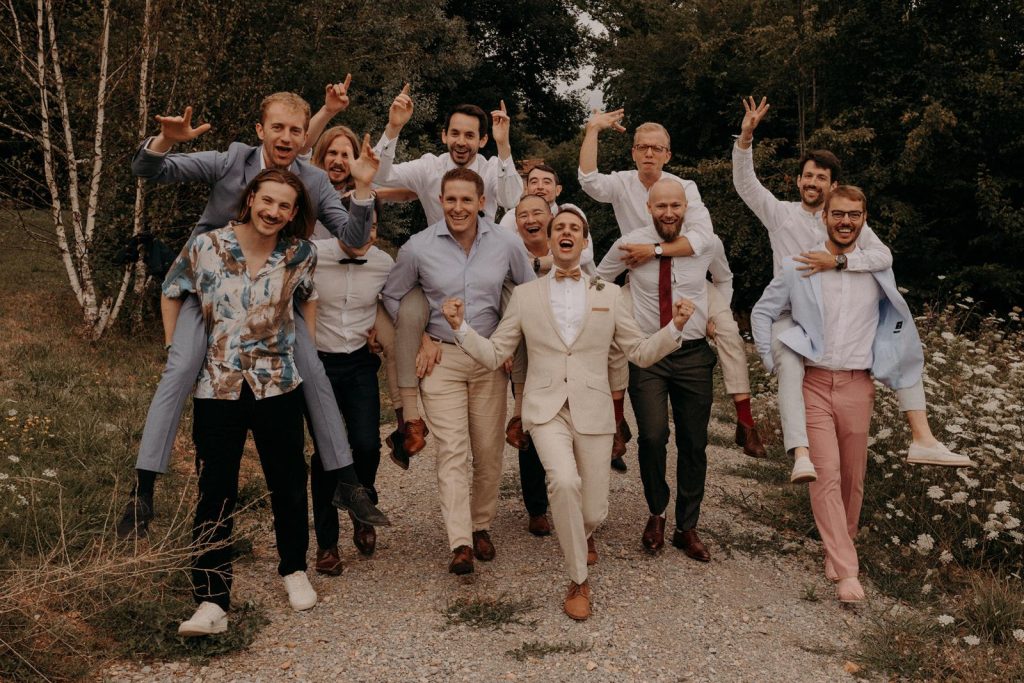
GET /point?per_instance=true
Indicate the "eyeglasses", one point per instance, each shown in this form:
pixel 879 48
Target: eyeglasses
pixel 643 149
pixel 839 215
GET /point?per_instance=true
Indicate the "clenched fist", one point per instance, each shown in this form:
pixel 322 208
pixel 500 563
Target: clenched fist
pixel 682 309
pixel 454 312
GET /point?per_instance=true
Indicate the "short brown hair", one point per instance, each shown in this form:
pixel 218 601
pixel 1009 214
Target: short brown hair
pixel 473 111
pixel 824 159
pixel 466 174
pixel 569 208
pixel 328 138
pixel 288 99
pixel 302 224
pixel 851 192
pixel 547 169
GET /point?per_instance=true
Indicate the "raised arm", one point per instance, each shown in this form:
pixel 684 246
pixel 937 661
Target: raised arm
pixel 153 162
pixel 755 195
pixel 399 114
pixel 353 228
pixel 509 185
pixel 336 100
pixel 598 186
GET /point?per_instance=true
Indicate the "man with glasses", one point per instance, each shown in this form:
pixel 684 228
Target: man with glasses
pixel 796 230
pixel 627 192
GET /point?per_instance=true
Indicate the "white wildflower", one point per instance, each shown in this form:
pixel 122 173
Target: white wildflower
pixel 924 544
pixel 895 540
pixel 959 497
pixel 50 472
pixel 22 500
pixel 883 433
pixel 1011 522
pixel 954 429
pixel 926 589
pixel 946 557
pixel 970 542
pixel 946 620
pixel 1001 507
pixel 3 475
pixel 1018 633
pixel 936 492
pixel 14 458
pixel 948 336
pixel 972 640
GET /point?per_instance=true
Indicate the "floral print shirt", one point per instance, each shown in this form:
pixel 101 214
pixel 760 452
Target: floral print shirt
pixel 250 324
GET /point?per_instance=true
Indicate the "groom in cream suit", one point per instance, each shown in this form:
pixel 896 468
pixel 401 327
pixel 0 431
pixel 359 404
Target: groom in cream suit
pixel 569 322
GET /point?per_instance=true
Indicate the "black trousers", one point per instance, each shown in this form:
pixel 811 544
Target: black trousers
pixel 684 378
pixel 219 428
pixel 353 377
pixel 531 479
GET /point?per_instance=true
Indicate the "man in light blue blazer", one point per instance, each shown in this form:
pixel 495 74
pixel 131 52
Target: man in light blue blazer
pixel 282 130
pixel 850 326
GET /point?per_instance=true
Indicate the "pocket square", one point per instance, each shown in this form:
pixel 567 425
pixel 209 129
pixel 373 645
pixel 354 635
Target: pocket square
pixel 598 308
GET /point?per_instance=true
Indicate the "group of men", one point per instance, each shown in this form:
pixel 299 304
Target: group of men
pixel 474 301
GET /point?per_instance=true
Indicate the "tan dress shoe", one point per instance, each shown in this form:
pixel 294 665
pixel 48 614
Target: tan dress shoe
pixel 328 562
pixel 591 552
pixel 577 601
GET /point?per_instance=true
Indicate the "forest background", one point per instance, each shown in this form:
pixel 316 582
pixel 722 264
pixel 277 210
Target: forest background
pixel 923 101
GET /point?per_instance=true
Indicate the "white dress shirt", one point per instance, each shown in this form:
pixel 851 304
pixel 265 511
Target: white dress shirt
pixel 689 281
pixel 347 306
pixel 850 303
pixel 721 274
pixel 791 229
pixel 628 197
pixel 502 183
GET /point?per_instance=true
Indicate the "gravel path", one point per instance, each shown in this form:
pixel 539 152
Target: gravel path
pixel 743 617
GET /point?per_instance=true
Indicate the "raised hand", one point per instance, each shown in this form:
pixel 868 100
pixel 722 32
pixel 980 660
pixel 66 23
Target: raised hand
pixel 752 115
pixel 336 95
pixel 500 123
pixel 365 167
pixel 400 112
pixel 682 309
pixel 174 129
pixel 603 120
pixel 454 312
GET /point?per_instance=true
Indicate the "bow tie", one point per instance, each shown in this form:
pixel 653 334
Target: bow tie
pixel 573 273
pixel 353 261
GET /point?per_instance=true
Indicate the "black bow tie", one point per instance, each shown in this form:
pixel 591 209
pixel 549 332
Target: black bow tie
pixel 353 261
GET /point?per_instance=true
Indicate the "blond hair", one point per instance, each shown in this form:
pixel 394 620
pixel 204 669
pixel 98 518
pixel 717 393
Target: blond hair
pixel 650 127
pixel 288 99
pixel 851 192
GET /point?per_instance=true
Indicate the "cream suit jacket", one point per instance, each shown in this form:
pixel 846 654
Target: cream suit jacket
pixel 558 372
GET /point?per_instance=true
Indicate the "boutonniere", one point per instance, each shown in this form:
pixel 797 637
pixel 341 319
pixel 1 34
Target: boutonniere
pixel 597 282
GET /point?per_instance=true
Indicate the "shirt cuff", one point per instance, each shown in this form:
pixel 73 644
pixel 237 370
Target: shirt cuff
pixel 585 176
pixel 385 142
pixel 147 150
pixel 508 165
pixel 677 335
pixel 460 334
pixel 363 202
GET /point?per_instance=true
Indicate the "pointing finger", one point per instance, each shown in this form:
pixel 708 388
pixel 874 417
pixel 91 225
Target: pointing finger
pixel 503 110
pixel 405 89
pixel 348 82
pixel 187 116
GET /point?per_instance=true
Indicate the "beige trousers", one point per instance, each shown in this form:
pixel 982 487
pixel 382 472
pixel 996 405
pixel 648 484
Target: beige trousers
pixel 576 469
pixel 464 405
pixel 386 337
pixel 732 351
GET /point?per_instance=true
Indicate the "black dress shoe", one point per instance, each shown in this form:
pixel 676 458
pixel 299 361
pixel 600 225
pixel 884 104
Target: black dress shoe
pixel 356 500
pixel 619 465
pixel 395 442
pixel 134 522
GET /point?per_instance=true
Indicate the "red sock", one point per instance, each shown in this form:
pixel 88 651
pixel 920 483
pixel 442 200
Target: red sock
pixel 743 415
pixel 620 407
pixel 401 420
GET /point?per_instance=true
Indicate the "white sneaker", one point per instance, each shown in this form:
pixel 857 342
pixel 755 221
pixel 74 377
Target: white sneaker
pixel 301 595
pixel 937 455
pixel 207 620
pixel 803 471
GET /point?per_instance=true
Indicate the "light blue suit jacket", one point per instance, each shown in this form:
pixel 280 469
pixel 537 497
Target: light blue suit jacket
pixel 229 173
pixel 897 356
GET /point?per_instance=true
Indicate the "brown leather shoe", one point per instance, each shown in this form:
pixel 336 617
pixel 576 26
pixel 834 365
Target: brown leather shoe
pixel 364 537
pixel 482 546
pixel 462 561
pixel 328 562
pixel 591 552
pixel 618 442
pixel 750 440
pixel 654 534
pixel 539 525
pixel 514 434
pixel 689 542
pixel 415 436
pixel 577 601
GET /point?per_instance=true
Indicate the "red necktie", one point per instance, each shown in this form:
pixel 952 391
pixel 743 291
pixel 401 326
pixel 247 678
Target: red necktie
pixel 665 290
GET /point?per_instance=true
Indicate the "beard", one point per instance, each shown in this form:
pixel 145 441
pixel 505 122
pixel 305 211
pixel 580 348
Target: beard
pixel 667 232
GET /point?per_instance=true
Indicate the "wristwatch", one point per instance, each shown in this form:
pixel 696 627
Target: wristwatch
pixel 658 251
pixel 536 264
pixel 840 261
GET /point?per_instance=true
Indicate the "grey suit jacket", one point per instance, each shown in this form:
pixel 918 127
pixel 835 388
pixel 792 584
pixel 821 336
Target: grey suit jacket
pixel 228 173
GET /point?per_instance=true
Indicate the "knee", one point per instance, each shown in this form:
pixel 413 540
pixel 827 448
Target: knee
pixel 413 311
pixel 653 438
pixel 563 482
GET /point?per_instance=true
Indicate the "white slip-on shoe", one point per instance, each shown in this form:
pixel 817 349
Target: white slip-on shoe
pixel 208 619
pixel 803 471
pixel 937 455
pixel 301 595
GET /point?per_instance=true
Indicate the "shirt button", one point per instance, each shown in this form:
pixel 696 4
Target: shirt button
pixel 569 354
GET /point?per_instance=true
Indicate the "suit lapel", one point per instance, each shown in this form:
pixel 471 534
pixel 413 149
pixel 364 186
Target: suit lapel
pixel 818 300
pixel 545 293
pixel 252 165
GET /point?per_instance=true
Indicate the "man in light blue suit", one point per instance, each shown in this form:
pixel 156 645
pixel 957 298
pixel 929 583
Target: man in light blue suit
pixel 282 130
pixel 849 327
